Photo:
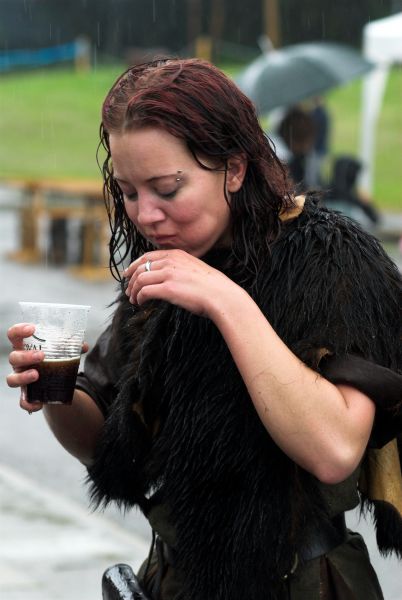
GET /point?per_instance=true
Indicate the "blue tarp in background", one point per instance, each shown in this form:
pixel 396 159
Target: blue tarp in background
pixel 15 59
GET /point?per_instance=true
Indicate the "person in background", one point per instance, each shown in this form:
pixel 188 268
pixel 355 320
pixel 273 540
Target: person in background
pixel 253 363
pixel 322 128
pixel 343 189
pixel 297 130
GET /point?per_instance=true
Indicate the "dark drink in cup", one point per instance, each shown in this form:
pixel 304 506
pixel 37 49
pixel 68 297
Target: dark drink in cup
pixel 59 334
pixel 56 381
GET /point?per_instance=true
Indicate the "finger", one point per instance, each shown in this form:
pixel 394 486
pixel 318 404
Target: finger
pixel 142 270
pixel 25 358
pixel 18 332
pixel 157 292
pixel 21 378
pixel 141 260
pixel 85 348
pixel 151 278
pixel 28 406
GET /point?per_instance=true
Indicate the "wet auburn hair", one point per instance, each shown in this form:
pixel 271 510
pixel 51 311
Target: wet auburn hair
pixel 194 101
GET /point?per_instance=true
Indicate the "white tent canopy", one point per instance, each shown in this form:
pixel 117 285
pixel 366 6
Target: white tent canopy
pixel 382 45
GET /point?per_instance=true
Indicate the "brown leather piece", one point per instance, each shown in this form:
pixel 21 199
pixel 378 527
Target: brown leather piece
pixel 381 477
pixel 293 211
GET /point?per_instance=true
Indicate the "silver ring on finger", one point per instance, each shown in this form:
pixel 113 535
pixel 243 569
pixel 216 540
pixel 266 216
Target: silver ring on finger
pixel 148 265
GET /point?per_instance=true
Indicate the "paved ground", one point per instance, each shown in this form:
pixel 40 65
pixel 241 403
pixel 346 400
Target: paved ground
pixel 51 546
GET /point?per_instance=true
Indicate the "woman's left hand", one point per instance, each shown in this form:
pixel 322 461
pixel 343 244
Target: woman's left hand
pixel 178 278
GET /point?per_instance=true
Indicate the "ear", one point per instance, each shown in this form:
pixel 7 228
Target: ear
pixel 236 171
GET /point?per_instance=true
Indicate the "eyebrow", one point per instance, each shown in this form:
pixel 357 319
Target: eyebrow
pixel 152 179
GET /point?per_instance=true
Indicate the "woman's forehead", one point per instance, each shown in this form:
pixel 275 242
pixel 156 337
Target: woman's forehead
pixel 147 140
pixel 149 156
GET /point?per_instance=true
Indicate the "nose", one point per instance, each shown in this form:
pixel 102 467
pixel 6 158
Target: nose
pixel 148 213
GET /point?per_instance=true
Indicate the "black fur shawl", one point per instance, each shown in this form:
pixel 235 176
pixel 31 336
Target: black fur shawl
pixel 183 422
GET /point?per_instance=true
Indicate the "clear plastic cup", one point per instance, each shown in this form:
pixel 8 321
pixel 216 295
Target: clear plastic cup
pixel 59 333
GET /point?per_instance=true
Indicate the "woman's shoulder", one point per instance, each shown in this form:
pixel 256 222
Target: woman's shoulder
pixel 308 211
pixel 322 251
pixel 312 227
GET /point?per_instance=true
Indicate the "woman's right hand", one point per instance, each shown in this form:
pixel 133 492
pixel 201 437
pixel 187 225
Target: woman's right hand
pixel 23 363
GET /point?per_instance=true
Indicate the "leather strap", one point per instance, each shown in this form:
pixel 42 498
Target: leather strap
pixel 322 540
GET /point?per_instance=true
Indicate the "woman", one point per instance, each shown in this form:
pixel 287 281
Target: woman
pixel 252 358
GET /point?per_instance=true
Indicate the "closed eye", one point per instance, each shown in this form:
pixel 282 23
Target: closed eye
pixel 167 195
pixel 132 196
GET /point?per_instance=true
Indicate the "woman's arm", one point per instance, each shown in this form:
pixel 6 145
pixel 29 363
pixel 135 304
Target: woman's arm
pixel 76 426
pixel 324 428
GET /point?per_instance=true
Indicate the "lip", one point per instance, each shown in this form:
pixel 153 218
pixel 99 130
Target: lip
pixel 162 239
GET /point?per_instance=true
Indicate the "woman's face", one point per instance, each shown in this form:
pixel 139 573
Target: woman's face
pixel 170 199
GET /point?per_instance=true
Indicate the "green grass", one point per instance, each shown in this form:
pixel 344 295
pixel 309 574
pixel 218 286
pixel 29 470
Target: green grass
pixel 49 124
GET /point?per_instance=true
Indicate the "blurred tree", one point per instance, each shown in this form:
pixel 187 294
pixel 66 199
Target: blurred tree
pixel 114 26
pixel 216 26
pixel 340 21
pixel 194 20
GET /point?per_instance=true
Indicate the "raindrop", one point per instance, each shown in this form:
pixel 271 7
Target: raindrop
pixel 42 125
pixel 95 58
pixel 323 25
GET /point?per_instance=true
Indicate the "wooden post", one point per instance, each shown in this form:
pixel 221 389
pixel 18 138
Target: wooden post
pixel 271 20
pixel 217 22
pixel 82 59
pixel 30 214
pixel 203 47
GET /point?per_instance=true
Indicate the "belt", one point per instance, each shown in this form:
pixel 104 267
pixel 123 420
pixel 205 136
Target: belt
pixel 319 540
pixel 324 538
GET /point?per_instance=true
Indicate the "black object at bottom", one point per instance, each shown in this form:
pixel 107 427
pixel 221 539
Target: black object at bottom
pixel 120 583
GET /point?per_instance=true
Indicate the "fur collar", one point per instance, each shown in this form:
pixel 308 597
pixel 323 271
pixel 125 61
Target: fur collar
pixel 183 422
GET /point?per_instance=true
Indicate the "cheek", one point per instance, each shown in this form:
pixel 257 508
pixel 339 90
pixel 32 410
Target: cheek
pixel 185 214
pixel 131 211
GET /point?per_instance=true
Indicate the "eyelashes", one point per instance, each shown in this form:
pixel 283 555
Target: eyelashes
pixel 168 195
pixel 164 195
pixel 130 197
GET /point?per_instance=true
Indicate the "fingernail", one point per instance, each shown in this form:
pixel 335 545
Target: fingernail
pixel 28 329
pixel 37 355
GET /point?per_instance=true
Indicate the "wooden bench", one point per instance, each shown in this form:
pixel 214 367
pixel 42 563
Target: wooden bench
pixel 59 202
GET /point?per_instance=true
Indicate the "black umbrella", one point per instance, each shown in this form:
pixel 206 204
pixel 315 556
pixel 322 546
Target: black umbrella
pixel 287 76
